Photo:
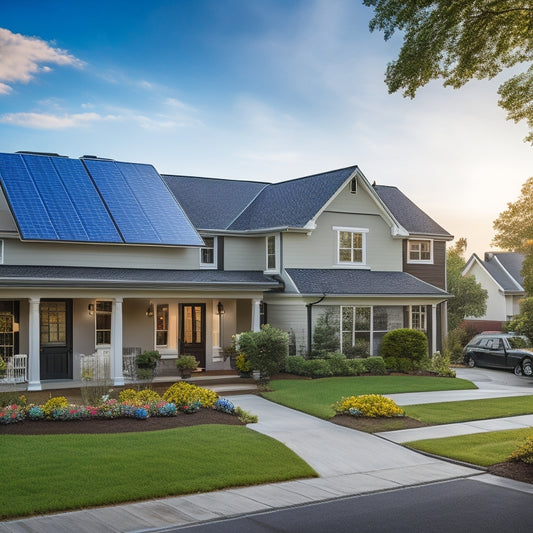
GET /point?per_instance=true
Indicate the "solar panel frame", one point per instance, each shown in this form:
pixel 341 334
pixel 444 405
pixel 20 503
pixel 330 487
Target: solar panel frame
pixel 159 205
pixel 86 200
pixel 26 204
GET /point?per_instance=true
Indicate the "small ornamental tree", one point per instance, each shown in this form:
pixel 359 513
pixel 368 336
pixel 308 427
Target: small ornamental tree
pixel 326 335
pixel 266 349
pixel 404 349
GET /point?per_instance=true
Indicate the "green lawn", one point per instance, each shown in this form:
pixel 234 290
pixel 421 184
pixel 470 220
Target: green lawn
pixel 315 396
pixel 48 473
pixel 450 412
pixel 483 449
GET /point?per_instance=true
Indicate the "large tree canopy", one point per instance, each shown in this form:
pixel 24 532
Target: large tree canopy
pixel 514 231
pixel 458 40
pixel 470 299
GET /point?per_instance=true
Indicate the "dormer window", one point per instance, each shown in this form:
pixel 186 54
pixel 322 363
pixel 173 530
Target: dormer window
pixel 420 251
pixel 208 253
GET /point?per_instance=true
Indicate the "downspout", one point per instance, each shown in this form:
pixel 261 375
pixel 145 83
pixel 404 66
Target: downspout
pixel 310 325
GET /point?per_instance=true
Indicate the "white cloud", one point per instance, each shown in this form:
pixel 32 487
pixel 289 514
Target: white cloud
pixel 22 57
pixel 48 121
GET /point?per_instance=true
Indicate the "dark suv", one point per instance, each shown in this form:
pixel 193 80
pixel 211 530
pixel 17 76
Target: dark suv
pixel 500 350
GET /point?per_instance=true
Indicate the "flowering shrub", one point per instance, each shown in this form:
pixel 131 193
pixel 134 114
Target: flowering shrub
pixel 371 405
pixel 166 409
pixel 184 393
pixel 225 406
pixel 127 395
pixel 524 453
pixel 59 402
pixel 110 409
pixel 141 413
pixel 190 408
pixel 35 412
pixel 242 364
pixel 11 414
pixel 147 396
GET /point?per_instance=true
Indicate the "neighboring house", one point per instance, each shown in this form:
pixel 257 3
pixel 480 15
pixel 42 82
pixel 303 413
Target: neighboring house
pixel 500 275
pixel 97 255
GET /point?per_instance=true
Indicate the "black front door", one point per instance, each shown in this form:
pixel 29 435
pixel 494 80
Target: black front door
pixel 56 339
pixel 192 337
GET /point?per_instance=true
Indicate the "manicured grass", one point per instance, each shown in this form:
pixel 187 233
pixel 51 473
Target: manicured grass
pixel 42 474
pixel 315 396
pixel 483 449
pixel 450 412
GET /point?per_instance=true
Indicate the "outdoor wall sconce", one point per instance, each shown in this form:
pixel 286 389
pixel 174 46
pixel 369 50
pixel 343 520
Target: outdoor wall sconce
pixel 90 308
pixel 220 308
pixel 150 311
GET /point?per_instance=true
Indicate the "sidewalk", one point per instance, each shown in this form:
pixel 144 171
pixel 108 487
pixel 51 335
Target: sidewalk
pixel 349 463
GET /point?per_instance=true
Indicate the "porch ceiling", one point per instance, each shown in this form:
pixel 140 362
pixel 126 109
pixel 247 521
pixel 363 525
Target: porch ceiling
pixel 57 276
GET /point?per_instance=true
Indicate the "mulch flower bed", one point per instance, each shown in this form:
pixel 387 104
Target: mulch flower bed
pixel 118 425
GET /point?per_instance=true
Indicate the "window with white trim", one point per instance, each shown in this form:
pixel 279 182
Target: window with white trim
pixel 208 254
pixel 1 252
pixel 418 317
pixel 420 251
pixel 351 246
pixel 103 312
pixel 272 253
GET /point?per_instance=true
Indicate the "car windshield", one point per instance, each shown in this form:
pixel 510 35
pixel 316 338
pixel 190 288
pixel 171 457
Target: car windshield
pixel 519 342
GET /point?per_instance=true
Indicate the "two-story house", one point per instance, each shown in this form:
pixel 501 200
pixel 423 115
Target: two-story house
pixel 104 255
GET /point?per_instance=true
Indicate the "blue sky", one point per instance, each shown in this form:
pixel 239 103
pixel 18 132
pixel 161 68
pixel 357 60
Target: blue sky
pixel 252 89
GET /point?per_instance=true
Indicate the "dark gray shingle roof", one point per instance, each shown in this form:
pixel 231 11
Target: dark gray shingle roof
pixel 212 203
pixel 360 282
pixel 15 275
pixel 505 268
pixel 408 214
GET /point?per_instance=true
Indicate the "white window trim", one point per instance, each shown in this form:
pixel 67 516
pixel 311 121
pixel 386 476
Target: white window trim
pixel 420 261
pixel 423 313
pixel 212 265
pixel 274 270
pixel 111 313
pixel 363 232
pixel 1 251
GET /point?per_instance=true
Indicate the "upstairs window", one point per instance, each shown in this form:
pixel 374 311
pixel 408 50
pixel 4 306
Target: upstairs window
pixel 208 253
pixel 272 253
pixel 351 246
pixel 420 251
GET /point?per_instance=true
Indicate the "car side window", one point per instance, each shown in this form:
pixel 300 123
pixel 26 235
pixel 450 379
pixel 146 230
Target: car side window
pixel 497 344
pixel 485 343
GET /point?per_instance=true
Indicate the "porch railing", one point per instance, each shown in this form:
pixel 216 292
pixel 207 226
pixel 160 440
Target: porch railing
pixel 16 369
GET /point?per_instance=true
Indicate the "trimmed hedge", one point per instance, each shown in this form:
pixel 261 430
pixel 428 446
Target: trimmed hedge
pixel 334 364
pixel 405 350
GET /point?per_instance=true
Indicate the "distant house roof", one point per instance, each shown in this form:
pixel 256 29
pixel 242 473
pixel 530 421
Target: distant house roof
pixel 59 276
pixel 360 282
pixel 247 205
pixel 408 214
pixel 503 267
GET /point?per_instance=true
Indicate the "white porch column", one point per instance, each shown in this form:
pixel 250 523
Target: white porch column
pixel 433 328
pixel 34 356
pixel 444 318
pixel 116 343
pixel 256 314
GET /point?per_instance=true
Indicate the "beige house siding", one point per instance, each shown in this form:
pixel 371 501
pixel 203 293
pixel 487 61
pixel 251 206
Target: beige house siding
pixel 244 253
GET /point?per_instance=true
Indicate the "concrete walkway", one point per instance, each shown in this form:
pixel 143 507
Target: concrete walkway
pixel 349 463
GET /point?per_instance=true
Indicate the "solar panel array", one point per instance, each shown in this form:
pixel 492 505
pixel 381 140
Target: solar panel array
pixel 91 200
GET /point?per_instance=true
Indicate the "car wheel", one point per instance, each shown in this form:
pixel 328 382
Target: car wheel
pixel 470 362
pixel 527 367
pixel 518 370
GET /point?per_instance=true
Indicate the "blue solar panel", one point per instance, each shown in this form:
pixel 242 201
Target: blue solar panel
pixel 165 215
pixel 96 219
pixel 29 210
pixel 64 217
pixel 130 219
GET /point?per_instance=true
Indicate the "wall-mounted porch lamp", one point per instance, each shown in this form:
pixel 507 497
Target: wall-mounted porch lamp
pixel 220 308
pixel 90 308
pixel 150 311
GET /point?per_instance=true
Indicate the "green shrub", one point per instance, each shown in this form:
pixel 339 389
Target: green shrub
pixel 12 398
pixel 325 335
pixel 373 365
pixel 371 405
pixel 266 349
pixel 440 363
pixel 184 393
pixel 148 359
pixel 337 363
pixel 3 368
pixel 525 452
pixel 295 364
pixel 245 417
pixel 355 367
pixel 242 364
pixel 405 345
pixel 318 368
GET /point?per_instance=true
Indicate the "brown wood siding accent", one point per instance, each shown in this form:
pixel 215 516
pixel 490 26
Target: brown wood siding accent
pixel 435 273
